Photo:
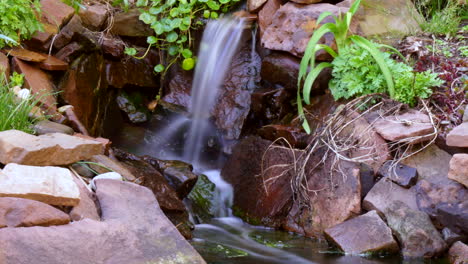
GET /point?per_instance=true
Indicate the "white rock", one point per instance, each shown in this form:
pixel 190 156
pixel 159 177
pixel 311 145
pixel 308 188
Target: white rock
pixel 51 185
pixel 107 175
pixel 24 94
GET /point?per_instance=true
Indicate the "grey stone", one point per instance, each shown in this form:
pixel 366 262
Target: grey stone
pixel 401 174
pixel 46 127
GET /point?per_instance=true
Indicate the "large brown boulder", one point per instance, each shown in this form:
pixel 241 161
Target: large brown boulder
pixel 18 212
pixel 133 230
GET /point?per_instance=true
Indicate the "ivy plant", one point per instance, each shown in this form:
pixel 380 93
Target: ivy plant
pixel 172 22
pixel 19 20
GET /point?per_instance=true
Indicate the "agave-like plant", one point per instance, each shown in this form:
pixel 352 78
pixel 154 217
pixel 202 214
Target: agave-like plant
pixel 339 29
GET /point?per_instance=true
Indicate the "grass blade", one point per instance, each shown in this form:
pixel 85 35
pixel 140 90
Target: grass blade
pixel 311 78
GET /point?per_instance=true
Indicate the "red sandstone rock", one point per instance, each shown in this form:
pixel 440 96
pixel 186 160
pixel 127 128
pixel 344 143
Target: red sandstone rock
pixel 56 12
pixel 459 169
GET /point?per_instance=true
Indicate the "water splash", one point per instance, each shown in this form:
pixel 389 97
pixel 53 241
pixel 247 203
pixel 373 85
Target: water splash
pixel 219 43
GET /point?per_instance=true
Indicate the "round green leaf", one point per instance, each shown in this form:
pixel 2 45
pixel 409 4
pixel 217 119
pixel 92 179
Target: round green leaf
pixel 159 68
pixel 187 53
pixel 224 1
pixel 214 15
pixel 188 64
pixel 172 36
pixel 147 18
pixel 151 40
pixel 213 4
pixel 174 12
pixel 130 51
pixel 206 14
pixel 173 50
pixel 183 27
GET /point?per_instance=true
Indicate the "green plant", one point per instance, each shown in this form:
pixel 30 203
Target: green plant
pixel 355 73
pixel 443 17
pixel 440 47
pixel 76 4
pixel 18 20
pixel 463 51
pixel 14 112
pixel 339 29
pixel 16 79
pixel 172 22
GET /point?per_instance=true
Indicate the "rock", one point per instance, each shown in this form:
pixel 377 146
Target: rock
pixel 133 230
pixel 458 137
pixel 27 55
pixel 106 162
pixel 200 200
pixel 53 64
pixel 367 179
pixel 70 32
pixel 179 175
pixel 41 39
pixel 180 87
pixel 459 169
pixel 446 202
pixel 69 112
pixel 87 207
pixel 458 253
pixel 385 193
pixel 400 174
pixel 137 72
pixel 94 16
pixel 18 212
pixel 105 143
pixel 374 236
pixel 113 47
pixel 4 65
pixel 293 135
pixel 415 232
pixel 134 110
pixel 432 163
pixel 293 25
pixel 451 237
pixel 83 170
pixel 40 84
pixel 56 12
pixel 46 126
pixel 167 197
pixel 86 79
pixel 307 2
pixel 265 15
pixel 50 149
pixel 70 52
pixel 255 5
pixel 413 127
pixel 129 24
pixel 51 185
pixel 107 175
pixel 279 68
pixel 270 104
pixel 465 114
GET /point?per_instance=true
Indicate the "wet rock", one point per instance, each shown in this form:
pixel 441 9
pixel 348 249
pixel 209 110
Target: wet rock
pixel 400 174
pixel 50 149
pixel 87 207
pixel 200 199
pixel 106 163
pixel 4 65
pixel 385 193
pixel 53 64
pixel 265 15
pixel 86 79
pixel 129 24
pixel 374 236
pixel 459 169
pixel 458 137
pixel 446 202
pixel 294 136
pixel 233 103
pixel 458 253
pixel 319 109
pixel 165 194
pixel 432 163
pixel 40 84
pixel 271 104
pixel 72 119
pixel 18 212
pixel 255 5
pixel 113 47
pixel 257 201
pixel 56 12
pixel 367 178
pixel 415 232
pixel 293 25
pixel 133 230
pixel 451 237
pixel 179 88
pixel 51 185
pixel 41 39
pixel 70 52
pixel 132 72
pixel 94 16
pixel 180 176
pixel 414 127
pixel 27 55
pixel 130 108
pixel 279 68
pixel 46 127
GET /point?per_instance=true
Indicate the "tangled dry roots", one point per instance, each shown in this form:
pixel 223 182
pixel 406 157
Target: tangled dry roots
pixel 338 140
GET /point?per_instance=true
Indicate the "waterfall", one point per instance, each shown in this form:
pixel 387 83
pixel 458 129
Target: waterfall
pixel 219 43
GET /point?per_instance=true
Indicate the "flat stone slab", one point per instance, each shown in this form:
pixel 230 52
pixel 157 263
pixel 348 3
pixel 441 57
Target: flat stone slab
pixel 459 169
pixel 51 185
pixel 134 230
pixel 412 126
pixel 50 149
pixel 367 233
pixel 458 137
pixel 18 212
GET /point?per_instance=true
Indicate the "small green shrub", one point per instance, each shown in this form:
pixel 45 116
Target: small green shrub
pixel 355 73
pixel 172 22
pixel 442 17
pixel 14 112
pixel 18 20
